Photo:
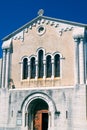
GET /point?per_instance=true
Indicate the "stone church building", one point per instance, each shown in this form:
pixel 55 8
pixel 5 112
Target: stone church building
pixel 43 76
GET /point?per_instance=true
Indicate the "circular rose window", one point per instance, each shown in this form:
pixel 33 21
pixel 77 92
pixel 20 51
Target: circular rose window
pixel 41 30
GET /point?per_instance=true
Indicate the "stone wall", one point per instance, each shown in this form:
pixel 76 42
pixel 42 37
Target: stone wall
pixel 51 42
pixel 61 97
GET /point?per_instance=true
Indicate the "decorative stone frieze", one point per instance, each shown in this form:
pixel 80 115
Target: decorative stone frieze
pixel 19 36
pixel 61 28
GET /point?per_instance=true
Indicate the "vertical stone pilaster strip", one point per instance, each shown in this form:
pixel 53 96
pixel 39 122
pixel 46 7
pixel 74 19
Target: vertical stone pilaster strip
pixel 3 68
pixel 76 67
pixel 36 70
pixel 44 69
pixel 81 60
pixel 29 70
pixel 7 68
pixel 52 68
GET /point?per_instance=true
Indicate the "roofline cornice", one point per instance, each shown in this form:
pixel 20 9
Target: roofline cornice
pixel 42 17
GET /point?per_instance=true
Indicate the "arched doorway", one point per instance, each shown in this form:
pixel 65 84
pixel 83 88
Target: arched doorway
pixel 35 103
pixel 38 115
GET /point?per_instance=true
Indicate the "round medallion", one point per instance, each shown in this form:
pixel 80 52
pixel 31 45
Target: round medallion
pixel 41 30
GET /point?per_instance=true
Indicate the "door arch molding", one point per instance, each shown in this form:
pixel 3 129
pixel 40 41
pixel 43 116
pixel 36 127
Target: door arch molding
pixel 39 95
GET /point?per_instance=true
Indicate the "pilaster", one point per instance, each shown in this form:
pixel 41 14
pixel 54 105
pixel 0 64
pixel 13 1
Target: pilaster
pixel 81 61
pixel 78 36
pixel 53 68
pixel 7 68
pixel 36 69
pixel 29 70
pixel 3 68
pixel 76 64
pixel 44 63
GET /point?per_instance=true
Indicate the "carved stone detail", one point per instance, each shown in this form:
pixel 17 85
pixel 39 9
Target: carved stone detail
pixel 78 32
pixel 60 26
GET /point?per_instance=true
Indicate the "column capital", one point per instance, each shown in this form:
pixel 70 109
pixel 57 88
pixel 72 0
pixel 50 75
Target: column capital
pixel 81 39
pixel 28 63
pixel 8 49
pixel 78 33
pixel 36 62
pixel 52 61
pixel 76 39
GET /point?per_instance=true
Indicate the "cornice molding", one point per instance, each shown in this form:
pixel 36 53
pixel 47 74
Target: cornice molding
pixel 61 28
pixel 47 20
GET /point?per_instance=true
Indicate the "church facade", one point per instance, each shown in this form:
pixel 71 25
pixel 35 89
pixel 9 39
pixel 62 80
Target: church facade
pixel 43 76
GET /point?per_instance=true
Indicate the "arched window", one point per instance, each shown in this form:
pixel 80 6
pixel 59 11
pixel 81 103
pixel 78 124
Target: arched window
pixel 48 66
pixel 33 67
pixel 25 68
pixel 57 65
pixel 40 64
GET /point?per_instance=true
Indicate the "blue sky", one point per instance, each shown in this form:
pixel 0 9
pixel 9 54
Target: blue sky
pixel 16 13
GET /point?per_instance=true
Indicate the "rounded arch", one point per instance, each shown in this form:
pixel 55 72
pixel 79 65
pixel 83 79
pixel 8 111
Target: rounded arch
pixel 48 65
pixel 24 58
pixel 24 67
pixel 41 48
pixel 38 96
pixel 32 63
pixel 48 54
pixel 44 52
pixel 58 54
pixel 32 57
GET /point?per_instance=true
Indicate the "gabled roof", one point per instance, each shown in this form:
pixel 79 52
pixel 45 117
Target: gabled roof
pixel 40 17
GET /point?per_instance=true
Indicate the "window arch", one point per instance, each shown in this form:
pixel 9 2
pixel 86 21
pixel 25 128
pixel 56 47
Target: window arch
pixel 48 66
pixel 33 67
pixel 57 65
pixel 40 64
pixel 25 68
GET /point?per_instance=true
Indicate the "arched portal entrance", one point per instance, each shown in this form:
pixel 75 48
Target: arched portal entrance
pixel 38 112
pixel 38 115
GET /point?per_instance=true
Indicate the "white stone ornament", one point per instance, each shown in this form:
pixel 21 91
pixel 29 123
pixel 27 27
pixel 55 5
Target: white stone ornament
pixel 40 12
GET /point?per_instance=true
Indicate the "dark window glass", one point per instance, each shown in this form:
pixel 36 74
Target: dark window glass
pixel 66 114
pixel 49 66
pixel 25 68
pixel 33 67
pixel 40 64
pixel 57 65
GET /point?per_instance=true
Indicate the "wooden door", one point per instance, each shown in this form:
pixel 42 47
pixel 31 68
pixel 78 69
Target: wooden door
pixel 41 120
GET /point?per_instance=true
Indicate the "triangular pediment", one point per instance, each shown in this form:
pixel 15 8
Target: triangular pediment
pixel 62 25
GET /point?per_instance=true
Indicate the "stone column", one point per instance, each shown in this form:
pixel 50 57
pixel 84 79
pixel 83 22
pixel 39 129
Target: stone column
pixel 29 70
pixel 36 69
pixel 81 60
pixel 3 68
pixel 26 119
pixel 52 69
pixel 78 33
pixel 7 68
pixel 44 64
pixel 76 67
